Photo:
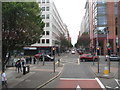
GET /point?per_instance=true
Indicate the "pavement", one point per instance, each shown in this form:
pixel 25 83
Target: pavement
pixel 103 67
pixel 38 76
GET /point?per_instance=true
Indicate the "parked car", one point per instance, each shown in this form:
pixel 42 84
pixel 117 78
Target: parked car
pixel 38 55
pixel 46 58
pixel 113 58
pixel 73 52
pixel 80 52
pixel 88 57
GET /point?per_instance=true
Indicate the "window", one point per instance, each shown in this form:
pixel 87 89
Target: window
pixel 47 16
pixel 43 40
pixel 43 32
pixel 43 1
pixel 38 41
pixel 43 8
pixel 43 16
pixel 47 24
pixel 47 1
pixel 47 32
pixel 47 41
pixel 47 8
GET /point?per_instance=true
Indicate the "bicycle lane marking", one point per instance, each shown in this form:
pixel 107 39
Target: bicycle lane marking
pixel 82 83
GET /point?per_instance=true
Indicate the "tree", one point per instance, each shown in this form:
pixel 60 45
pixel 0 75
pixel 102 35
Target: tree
pixel 84 40
pixel 21 26
pixel 64 43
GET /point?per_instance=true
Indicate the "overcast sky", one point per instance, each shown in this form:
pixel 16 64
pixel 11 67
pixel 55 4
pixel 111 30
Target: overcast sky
pixel 71 12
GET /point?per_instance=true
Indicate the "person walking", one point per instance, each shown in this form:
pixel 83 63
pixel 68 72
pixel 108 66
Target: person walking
pixel 4 80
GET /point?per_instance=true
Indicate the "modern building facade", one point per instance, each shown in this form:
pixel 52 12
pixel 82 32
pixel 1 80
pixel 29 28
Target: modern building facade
pixel 103 24
pixel 53 30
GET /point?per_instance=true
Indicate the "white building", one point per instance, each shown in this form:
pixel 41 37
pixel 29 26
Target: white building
pixel 54 26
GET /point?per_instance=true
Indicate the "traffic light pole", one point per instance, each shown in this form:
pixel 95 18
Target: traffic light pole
pixel 97 50
pixel 108 49
pixel 53 52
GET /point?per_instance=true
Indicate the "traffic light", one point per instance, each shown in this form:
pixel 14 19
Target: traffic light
pixel 109 50
pixel 98 51
pixel 53 51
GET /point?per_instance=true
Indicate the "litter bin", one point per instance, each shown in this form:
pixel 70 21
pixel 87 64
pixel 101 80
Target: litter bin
pixel 26 69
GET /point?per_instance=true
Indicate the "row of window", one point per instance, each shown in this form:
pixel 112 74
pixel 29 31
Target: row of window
pixel 45 8
pixel 47 24
pixel 43 41
pixel 47 16
pixel 47 33
pixel 44 1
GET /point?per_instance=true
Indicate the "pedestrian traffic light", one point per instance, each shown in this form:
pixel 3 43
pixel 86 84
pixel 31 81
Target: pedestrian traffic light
pixel 109 50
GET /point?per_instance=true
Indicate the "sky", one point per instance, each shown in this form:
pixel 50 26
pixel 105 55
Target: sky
pixel 71 13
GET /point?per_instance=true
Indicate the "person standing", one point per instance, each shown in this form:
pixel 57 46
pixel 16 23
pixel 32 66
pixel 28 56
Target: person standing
pixel 19 66
pixel 4 80
pixel 30 59
pixel 34 60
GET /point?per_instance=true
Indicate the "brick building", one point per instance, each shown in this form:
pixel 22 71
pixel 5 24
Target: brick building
pixel 103 25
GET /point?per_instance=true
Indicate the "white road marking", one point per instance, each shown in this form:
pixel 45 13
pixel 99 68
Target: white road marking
pixel 100 83
pixel 78 61
pixel 75 79
pixel 117 82
pixel 108 87
pixel 78 87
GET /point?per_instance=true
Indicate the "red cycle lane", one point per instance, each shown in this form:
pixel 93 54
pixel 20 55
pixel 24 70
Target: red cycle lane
pixel 80 83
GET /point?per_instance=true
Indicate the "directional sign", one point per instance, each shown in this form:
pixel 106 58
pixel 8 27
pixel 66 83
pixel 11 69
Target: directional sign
pixel 80 83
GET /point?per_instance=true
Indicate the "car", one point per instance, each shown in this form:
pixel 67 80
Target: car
pixel 73 52
pixel 80 52
pixel 46 58
pixel 38 55
pixel 113 58
pixel 88 57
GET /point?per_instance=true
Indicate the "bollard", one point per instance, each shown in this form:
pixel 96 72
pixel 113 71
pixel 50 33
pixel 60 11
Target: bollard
pixel 109 66
pixel 106 71
pixel 58 62
pixel 98 66
pixel 24 70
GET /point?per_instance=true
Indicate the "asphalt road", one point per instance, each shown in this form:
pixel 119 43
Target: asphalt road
pixel 73 70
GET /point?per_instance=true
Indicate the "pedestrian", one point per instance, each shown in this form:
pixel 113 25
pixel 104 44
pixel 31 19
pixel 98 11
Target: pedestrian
pixel 23 61
pixel 19 66
pixel 4 80
pixel 30 59
pixel 27 59
pixel 34 60
pixel 16 65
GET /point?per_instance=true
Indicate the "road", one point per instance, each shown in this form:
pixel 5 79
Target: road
pixel 75 74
